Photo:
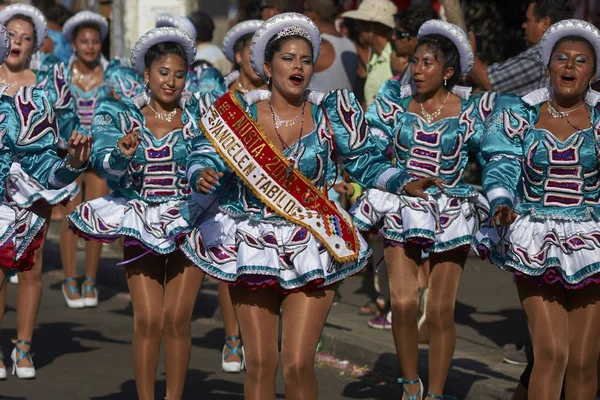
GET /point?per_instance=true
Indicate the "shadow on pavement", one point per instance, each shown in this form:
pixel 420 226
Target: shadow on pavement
pixel 197 386
pixel 56 339
pixel 508 325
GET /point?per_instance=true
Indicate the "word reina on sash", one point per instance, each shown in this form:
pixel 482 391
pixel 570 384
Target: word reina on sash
pixel 242 150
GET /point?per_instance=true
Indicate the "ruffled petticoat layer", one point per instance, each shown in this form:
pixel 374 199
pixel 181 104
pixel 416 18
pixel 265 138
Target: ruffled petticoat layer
pixel 259 253
pixel 154 226
pixel 21 233
pixel 25 191
pixel 546 250
pixel 438 224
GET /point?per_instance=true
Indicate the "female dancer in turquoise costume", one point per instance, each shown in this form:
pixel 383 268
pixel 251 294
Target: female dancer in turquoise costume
pixel 141 148
pixel 282 250
pixel 543 183
pixel 31 133
pixel 92 78
pixel 428 144
pixel 27 28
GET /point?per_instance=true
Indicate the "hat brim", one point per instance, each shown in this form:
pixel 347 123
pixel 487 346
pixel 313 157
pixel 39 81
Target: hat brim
pixel 272 27
pixel 182 23
pixel 41 26
pixel 239 31
pixel 456 35
pixel 361 16
pixel 160 35
pixel 570 27
pixel 85 17
pixel 4 44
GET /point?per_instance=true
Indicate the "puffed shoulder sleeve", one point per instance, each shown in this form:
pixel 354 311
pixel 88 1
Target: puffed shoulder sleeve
pixel 111 122
pixel 58 91
pixel 502 149
pixel 384 114
pixel 473 118
pixel 124 82
pixel 203 154
pixel 29 127
pixel 355 147
pixel 210 83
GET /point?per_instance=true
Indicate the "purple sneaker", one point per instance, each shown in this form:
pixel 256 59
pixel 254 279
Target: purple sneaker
pixel 384 321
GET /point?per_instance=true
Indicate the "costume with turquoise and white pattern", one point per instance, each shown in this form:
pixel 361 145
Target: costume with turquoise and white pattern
pixel 554 187
pixel 446 220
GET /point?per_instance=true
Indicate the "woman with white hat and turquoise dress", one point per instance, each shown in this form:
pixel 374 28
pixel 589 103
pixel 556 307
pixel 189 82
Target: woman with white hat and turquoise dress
pixel 429 126
pixel 543 182
pixel 277 240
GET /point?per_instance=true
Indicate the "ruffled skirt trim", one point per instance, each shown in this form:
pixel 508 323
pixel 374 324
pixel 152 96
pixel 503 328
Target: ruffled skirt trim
pixel 154 226
pixel 553 251
pixel 21 233
pixel 283 256
pixel 25 191
pixel 439 224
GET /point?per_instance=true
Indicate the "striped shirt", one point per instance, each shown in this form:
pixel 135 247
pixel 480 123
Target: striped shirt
pixel 520 74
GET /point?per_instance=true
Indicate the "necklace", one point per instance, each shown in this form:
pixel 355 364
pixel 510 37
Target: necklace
pixel 569 122
pixel 430 117
pixel 284 122
pixel 164 116
pixel 560 114
pixel 241 88
pixel 290 168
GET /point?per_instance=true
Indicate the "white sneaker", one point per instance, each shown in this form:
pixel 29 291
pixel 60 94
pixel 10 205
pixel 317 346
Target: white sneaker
pixel 14 279
pixel 22 372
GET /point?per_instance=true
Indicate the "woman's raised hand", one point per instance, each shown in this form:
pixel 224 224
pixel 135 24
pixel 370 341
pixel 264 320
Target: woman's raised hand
pixel 129 143
pixel 79 149
pixel 503 215
pixel 417 188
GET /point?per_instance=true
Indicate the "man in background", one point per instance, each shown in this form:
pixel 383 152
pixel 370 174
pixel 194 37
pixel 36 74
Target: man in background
pixel 205 50
pixel 338 62
pixel 271 8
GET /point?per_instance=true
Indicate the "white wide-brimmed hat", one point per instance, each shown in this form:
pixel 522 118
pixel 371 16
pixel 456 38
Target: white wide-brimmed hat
pixel 182 23
pixel 39 21
pixel 282 25
pixel 4 44
pixel 456 35
pixel 570 27
pixel 161 35
pixel 381 11
pixel 85 17
pixel 237 32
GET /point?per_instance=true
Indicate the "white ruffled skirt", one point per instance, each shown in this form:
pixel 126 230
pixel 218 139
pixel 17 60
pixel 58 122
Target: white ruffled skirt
pixel 25 191
pixel 154 226
pixel 261 254
pixel 439 224
pixel 21 233
pixel 552 250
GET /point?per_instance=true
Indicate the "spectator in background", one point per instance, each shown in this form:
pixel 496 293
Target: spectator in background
pixel 205 50
pixel 338 62
pixel 525 72
pixel 404 35
pixel 350 30
pixel 56 15
pixel 271 8
pixel 376 20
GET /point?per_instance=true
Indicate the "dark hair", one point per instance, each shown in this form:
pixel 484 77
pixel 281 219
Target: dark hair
pixel 412 18
pixel 275 45
pixel 204 26
pixel 327 10
pixel 577 39
pixel 239 46
pixel 445 51
pixel 163 49
pixel 53 12
pixel 29 21
pixel 89 25
pixel 556 10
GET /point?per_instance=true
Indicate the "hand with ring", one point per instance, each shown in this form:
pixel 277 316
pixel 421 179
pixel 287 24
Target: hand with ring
pixel 208 180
